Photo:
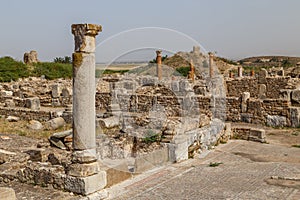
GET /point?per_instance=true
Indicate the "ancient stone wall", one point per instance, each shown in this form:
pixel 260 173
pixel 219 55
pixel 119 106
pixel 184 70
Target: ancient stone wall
pixel 27 114
pixel 271 100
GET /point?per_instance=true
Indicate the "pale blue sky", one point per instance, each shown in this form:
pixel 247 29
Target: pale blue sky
pixel 232 28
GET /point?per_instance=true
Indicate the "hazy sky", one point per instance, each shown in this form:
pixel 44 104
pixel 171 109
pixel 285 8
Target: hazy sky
pixel 232 28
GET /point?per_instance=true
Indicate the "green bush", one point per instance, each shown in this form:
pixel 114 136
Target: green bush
pixel 52 70
pixel 184 71
pixel 11 70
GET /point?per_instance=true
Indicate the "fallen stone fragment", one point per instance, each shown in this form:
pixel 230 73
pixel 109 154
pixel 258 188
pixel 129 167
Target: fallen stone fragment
pixel 12 119
pixel 35 125
pixel 55 123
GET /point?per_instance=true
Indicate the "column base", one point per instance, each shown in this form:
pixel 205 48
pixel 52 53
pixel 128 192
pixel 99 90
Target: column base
pixel 83 169
pixel 86 185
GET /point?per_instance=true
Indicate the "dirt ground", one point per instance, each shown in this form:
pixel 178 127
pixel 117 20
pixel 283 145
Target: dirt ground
pixel 14 137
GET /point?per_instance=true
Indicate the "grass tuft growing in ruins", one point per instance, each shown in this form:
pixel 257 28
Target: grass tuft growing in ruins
pixel 296 145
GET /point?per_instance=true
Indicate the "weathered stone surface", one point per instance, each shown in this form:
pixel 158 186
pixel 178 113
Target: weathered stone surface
pixel 85 36
pixel 62 134
pixel 35 125
pixel 31 57
pixel 276 121
pixel 109 122
pixel 257 135
pixel 85 156
pixel 57 142
pixel 262 76
pixel 12 119
pixel 55 123
pixel 7 193
pixel 245 97
pixel 262 91
pixel 37 155
pixel 295 116
pixel 83 169
pixel 151 160
pixel 9 103
pixel 296 96
pixel 85 185
pixel 204 120
pixel 56 90
pixel 33 103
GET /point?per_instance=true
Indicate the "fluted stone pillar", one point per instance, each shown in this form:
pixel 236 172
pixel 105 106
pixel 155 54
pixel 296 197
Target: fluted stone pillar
pixel 211 63
pixel 84 159
pixel 158 65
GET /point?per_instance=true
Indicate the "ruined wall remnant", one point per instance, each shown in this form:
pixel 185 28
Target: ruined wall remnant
pixel 271 100
pixel 30 58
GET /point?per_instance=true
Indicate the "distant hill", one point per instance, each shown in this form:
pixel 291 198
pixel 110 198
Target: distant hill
pixel 270 61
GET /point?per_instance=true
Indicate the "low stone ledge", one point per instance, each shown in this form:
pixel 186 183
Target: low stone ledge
pixel 248 133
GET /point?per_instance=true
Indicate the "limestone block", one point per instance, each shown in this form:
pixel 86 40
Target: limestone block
pixel 262 91
pixel 83 169
pixel 13 119
pixel 296 96
pixel 175 86
pixel 262 76
pixel 85 185
pixel 37 155
pixel 295 116
pixel 55 123
pixel 6 93
pixel 276 121
pixel 9 103
pixel 35 125
pixel 258 135
pixel 245 97
pixel 66 92
pixel 109 122
pixel 56 91
pixel 285 94
pixel 33 103
pixel 7 193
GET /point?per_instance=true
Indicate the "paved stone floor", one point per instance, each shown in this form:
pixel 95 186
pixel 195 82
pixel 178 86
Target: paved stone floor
pixel 245 173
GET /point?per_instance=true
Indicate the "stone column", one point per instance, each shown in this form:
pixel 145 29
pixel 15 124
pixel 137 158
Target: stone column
pixel 252 73
pixel 240 71
pixel 158 64
pixel 211 67
pixel 84 160
pixel 192 71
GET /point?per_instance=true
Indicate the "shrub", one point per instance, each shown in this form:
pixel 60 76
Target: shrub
pixel 52 70
pixel 184 71
pixel 12 70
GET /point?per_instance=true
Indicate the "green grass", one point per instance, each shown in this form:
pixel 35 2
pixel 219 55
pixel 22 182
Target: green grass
pixel 151 137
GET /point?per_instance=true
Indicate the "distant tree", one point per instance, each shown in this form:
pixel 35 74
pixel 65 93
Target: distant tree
pixel 66 60
pixel 286 63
